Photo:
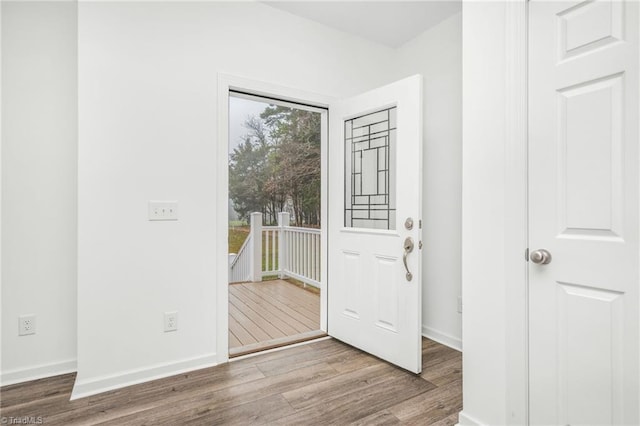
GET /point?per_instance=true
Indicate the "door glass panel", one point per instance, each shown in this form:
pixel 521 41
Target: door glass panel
pixel 370 170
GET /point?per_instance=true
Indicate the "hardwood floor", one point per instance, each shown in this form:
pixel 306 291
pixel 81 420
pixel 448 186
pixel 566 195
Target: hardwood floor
pixel 269 314
pixel 321 383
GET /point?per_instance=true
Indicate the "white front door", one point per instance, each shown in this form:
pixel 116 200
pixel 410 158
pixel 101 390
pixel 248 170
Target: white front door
pixel 375 187
pixel 583 209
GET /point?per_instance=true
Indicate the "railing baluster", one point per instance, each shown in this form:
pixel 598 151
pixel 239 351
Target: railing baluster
pixel 295 252
pixel 312 250
pixel 307 255
pixel 290 265
pixel 287 251
pixel 318 255
pixel 300 253
pixel 303 251
pixel 265 252
pixel 274 258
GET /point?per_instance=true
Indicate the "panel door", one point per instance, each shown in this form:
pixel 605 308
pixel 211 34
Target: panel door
pixel 583 209
pixel 375 192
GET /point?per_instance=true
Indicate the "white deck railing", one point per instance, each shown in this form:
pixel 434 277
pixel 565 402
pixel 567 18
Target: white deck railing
pixel 283 250
pixel 239 267
pixel 301 254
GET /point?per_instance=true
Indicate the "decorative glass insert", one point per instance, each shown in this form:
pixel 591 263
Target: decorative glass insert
pixel 370 170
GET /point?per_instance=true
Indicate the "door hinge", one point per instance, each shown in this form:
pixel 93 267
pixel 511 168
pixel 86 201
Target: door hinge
pixel 526 254
pixel 420 224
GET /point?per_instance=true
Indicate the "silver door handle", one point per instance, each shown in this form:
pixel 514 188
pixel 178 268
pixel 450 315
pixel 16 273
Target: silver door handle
pixel 540 256
pixel 408 248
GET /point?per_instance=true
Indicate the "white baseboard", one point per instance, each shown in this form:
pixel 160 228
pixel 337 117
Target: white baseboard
pixel 88 387
pixel 444 338
pixel 20 375
pixel 466 420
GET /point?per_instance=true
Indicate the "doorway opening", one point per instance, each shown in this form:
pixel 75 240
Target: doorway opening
pixel 274 211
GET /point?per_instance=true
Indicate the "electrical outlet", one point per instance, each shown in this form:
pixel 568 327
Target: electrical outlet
pixel 26 325
pixel 459 304
pixel 170 321
pixel 163 210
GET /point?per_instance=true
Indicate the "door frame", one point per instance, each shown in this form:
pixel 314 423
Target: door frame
pixel 508 23
pixel 516 211
pixel 505 25
pixel 516 237
pixel 227 82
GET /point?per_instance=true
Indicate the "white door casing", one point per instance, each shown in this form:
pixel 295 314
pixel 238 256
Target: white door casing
pixel 371 303
pixel 226 83
pixel 583 208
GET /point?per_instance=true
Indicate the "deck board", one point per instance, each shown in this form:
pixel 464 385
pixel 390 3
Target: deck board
pixel 259 318
pixel 265 313
pixel 299 303
pixel 294 311
pixel 305 299
pixel 289 326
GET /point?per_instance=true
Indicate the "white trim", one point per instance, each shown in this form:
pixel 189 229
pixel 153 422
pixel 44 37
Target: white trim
pixel 84 388
pixel 221 191
pixel 1 197
pixel 41 371
pixel 466 420
pixel 273 101
pixel 443 338
pixel 324 219
pixel 508 324
pixel 516 211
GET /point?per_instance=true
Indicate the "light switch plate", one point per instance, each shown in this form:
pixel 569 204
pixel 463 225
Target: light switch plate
pixel 163 210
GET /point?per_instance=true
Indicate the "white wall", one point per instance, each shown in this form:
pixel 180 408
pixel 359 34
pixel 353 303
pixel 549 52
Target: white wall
pixel 39 147
pixel 147 97
pixel 494 213
pixel 483 280
pixel 1 138
pixel 147 102
pixel 437 55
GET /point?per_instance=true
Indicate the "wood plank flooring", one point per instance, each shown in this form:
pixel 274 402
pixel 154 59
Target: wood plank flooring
pixel 322 383
pixel 269 314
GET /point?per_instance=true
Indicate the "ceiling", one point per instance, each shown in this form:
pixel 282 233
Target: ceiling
pixel 391 23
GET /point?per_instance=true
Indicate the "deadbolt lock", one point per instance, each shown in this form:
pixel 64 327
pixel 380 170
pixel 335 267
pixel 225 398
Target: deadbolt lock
pixel 408 224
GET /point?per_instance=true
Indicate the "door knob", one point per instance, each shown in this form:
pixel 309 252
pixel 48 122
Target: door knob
pixel 540 256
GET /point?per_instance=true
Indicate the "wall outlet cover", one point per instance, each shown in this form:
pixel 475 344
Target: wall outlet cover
pixel 26 325
pixel 170 321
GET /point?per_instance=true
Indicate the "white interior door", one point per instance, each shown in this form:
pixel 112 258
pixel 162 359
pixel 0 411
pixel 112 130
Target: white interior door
pixel 375 187
pixel 583 198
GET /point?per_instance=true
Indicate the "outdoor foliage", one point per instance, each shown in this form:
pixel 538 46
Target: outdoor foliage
pixel 278 165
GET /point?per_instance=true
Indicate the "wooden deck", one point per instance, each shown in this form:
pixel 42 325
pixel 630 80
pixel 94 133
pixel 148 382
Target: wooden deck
pixel 269 314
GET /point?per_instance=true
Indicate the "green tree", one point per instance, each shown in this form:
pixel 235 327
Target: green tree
pixel 278 161
pixel 248 169
pixel 296 159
